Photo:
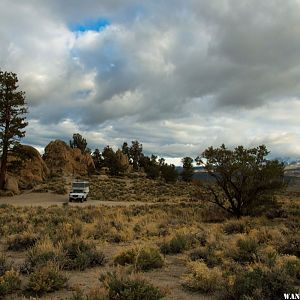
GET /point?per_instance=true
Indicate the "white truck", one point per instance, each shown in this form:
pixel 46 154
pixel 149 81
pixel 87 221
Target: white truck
pixel 80 191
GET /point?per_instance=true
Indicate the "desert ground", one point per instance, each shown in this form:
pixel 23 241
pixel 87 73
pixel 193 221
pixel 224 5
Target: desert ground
pixel 148 234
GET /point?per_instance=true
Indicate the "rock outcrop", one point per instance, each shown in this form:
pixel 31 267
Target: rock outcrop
pixel 61 159
pixel 26 168
pixel 12 185
pixel 123 160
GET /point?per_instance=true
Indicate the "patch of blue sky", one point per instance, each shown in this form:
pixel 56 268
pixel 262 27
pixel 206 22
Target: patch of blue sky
pixel 90 25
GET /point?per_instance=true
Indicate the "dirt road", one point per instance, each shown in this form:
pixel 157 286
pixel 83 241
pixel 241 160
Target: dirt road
pixel 48 199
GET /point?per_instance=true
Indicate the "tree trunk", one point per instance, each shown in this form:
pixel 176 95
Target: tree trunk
pixel 3 167
pixel 5 149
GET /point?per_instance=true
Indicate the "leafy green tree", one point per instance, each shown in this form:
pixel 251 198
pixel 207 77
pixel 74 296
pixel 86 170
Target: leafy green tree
pixel 135 154
pixel 79 142
pixel 12 117
pixel 188 169
pixel 244 179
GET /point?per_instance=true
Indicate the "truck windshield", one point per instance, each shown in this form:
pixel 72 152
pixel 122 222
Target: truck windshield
pixel 77 191
pixel 80 185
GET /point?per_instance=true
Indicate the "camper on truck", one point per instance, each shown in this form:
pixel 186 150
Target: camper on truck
pixel 80 191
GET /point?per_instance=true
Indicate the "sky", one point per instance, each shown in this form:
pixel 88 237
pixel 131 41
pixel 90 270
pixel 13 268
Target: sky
pixel 178 76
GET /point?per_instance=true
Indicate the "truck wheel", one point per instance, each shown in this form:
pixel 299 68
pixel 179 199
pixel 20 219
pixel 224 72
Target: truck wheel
pixel 81 200
pixel 70 200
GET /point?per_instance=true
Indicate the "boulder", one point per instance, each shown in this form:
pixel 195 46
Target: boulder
pixel 26 165
pixel 11 184
pixel 61 159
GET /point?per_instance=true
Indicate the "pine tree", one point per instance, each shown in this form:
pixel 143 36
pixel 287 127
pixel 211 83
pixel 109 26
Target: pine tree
pixel 188 169
pixel 13 109
pixel 80 143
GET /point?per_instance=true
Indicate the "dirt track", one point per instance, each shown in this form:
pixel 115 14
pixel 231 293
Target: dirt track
pixel 48 199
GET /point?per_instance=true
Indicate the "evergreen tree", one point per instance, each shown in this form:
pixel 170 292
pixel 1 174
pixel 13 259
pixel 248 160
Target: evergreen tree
pixel 12 117
pixel 188 169
pixel 135 153
pixel 98 159
pixel 80 143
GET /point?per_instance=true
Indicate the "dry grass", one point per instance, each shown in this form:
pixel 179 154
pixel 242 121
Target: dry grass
pixel 202 251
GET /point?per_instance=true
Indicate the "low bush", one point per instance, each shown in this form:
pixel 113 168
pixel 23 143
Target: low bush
pixel 264 283
pixel 236 226
pixel 201 278
pixel 207 254
pixel 95 294
pixel 4 265
pixel 127 257
pixel 143 259
pixel 21 241
pixel 81 255
pixel 247 250
pixel 291 245
pixel 10 282
pixel 290 265
pixel 122 287
pixel 177 244
pixel 41 254
pixel 46 279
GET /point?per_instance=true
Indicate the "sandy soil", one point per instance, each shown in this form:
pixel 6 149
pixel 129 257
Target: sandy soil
pixel 49 199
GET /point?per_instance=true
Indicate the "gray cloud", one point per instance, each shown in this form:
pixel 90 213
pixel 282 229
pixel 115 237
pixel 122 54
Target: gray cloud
pixel 179 76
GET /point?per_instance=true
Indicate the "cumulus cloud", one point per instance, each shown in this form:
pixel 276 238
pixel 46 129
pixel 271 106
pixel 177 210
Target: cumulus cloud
pixel 179 76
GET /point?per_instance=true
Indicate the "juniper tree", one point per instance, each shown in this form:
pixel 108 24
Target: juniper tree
pixel 244 179
pixel 13 111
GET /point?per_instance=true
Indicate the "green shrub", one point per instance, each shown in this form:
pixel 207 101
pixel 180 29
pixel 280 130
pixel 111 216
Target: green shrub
pixel 269 284
pixel 291 245
pixel 9 282
pixel 143 259
pixel 201 278
pixel 129 288
pixel 127 257
pixel 4 265
pixel 235 226
pixel 21 241
pixel 247 250
pixel 48 278
pixel 207 254
pixel 148 258
pixel 95 294
pixel 41 254
pixel 81 255
pixel 177 244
